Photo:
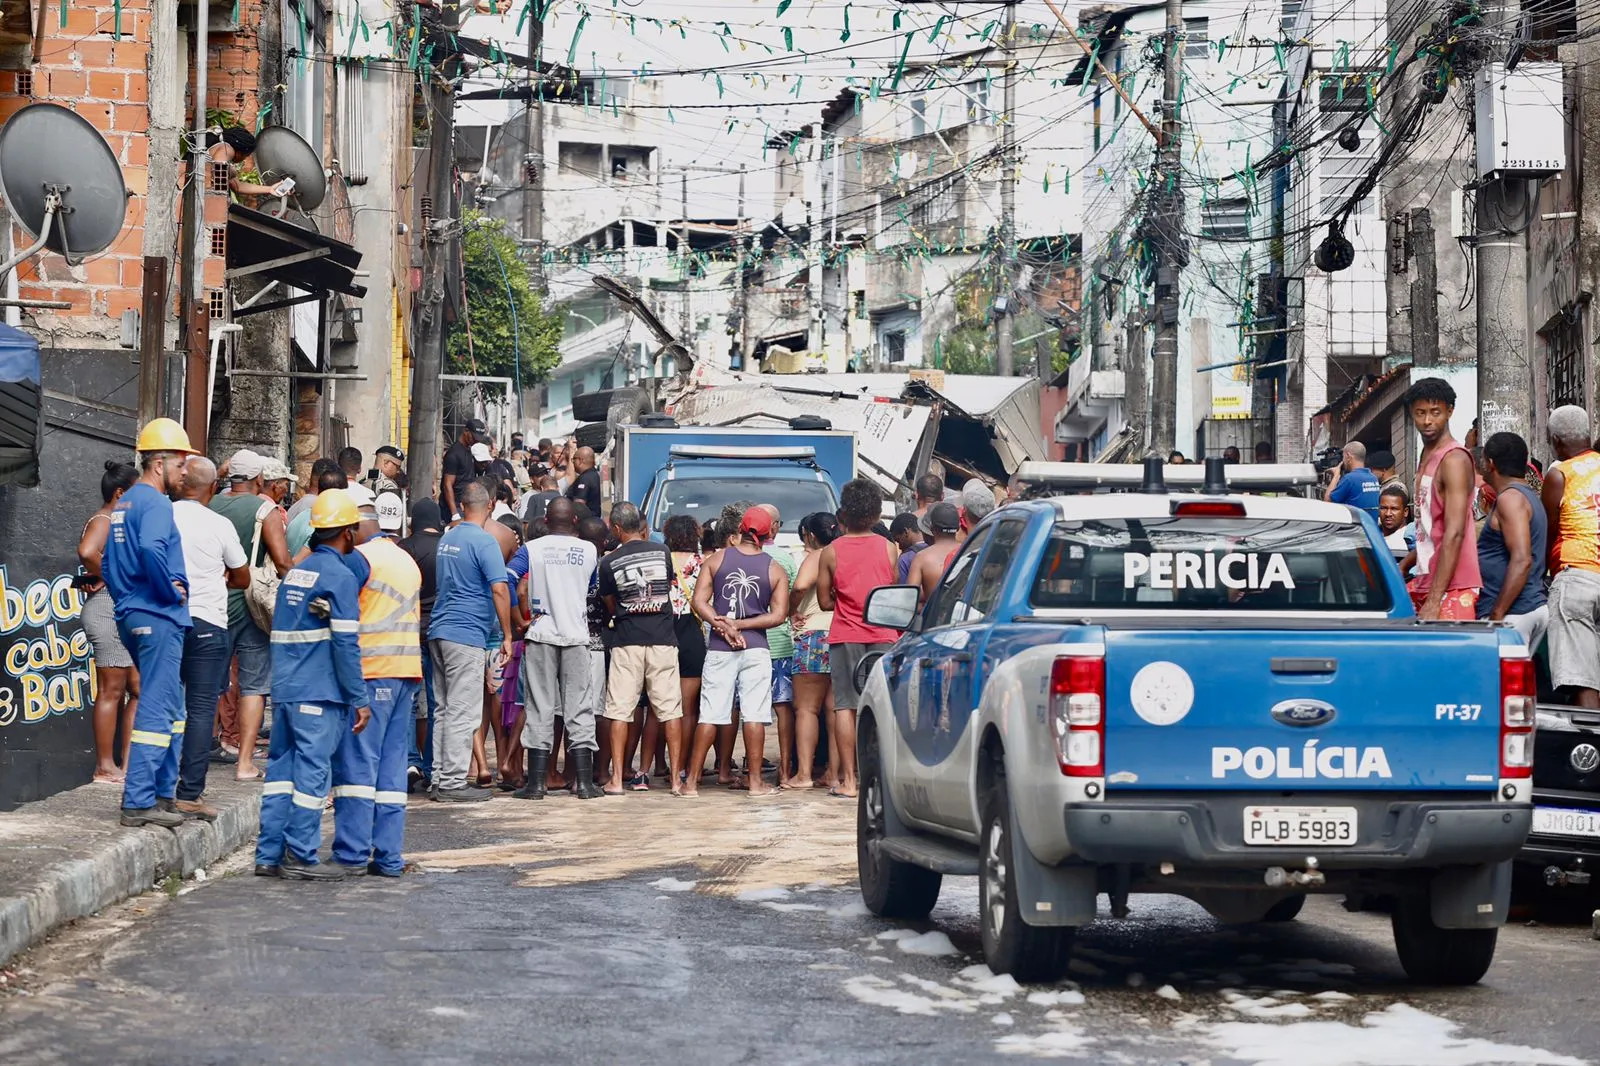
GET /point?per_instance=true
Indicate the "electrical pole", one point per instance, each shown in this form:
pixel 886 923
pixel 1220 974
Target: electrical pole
pixel 686 317
pixel 1135 387
pixel 439 232
pixel 1424 292
pixel 1504 374
pixel 816 342
pixel 1005 315
pixel 533 154
pixel 742 293
pixel 1168 209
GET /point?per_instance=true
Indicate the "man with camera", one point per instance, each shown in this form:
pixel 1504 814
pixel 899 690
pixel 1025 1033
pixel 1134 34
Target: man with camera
pixel 1352 483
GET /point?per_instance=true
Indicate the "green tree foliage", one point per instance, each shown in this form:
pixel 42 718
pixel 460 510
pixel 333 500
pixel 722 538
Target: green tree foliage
pixel 485 247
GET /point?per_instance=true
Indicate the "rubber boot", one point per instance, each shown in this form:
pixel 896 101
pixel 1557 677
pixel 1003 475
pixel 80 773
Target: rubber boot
pixel 585 788
pixel 533 788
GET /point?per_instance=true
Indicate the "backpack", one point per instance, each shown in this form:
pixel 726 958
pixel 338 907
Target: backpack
pixel 262 595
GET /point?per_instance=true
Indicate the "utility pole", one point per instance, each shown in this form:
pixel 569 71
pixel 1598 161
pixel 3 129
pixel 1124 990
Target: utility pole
pixel 1168 209
pixel 1135 386
pixel 439 232
pixel 1424 292
pixel 194 316
pixel 1005 314
pixel 1504 374
pixel 742 292
pixel 816 342
pixel 533 154
pixel 161 207
pixel 686 317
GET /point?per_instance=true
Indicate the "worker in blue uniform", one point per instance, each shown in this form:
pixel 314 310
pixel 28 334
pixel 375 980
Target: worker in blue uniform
pixel 318 693
pixel 143 568
pixel 369 768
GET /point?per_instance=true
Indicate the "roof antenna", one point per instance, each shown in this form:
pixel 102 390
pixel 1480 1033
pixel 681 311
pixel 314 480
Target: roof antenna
pixel 1216 478
pixel 1155 481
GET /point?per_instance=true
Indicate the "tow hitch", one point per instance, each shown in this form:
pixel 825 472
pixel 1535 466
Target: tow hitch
pixel 1278 877
pixel 1556 877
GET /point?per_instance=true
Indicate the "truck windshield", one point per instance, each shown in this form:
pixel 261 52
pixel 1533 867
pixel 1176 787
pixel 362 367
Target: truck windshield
pixel 704 498
pixel 1237 564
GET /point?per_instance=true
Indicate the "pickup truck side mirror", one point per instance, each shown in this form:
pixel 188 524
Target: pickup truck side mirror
pixel 892 606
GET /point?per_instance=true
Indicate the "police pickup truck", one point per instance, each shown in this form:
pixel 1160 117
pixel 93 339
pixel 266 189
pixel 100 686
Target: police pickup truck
pixel 1198 691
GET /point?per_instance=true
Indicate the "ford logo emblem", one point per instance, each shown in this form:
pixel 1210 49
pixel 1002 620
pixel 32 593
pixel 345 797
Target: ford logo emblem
pixel 1304 713
pixel 1584 757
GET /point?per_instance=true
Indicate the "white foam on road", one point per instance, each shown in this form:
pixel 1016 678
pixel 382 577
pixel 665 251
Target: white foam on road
pixel 1066 997
pixel 998 984
pixel 449 1012
pixel 942 991
pixel 1399 1036
pixel 898 934
pixel 933 942
pixel 881 993
pixel 854 909
pixel 1003 1019
pixel 789 908
pixel 1168 992
pixel 1055 1043
pixel 672 884
pixel 1266 1007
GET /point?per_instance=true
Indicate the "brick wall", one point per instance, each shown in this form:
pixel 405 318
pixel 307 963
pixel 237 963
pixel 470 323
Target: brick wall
pixel 95 64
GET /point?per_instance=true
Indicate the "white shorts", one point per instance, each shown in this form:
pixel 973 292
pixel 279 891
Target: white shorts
pixel 750 672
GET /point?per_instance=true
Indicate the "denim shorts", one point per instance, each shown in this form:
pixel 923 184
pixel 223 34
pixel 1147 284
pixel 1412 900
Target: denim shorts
pixel 783 680
pixel 254 650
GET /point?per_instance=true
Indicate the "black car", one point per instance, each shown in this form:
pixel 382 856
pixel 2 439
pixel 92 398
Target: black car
pixel 1564 847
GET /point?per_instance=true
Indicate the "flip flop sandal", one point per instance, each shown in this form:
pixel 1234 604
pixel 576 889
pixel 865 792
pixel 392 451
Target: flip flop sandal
pixel 836 794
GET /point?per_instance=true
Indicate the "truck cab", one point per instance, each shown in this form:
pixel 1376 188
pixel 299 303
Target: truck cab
pixel 698 470
pixel 1196 690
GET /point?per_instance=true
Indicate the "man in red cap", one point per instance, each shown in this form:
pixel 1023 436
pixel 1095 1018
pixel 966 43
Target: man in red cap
pixel 742 592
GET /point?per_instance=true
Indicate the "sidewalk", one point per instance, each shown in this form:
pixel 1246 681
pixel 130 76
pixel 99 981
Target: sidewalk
pixel 66 857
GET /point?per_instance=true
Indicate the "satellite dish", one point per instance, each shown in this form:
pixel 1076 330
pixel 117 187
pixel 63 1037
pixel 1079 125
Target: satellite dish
pixel 283 153
pixel 61 182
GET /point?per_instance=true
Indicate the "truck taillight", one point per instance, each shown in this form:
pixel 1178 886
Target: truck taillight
pixel 1077 714
pixel 1517 713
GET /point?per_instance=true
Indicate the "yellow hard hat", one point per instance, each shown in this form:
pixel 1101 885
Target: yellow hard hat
pixel 163 435
pixel 334 509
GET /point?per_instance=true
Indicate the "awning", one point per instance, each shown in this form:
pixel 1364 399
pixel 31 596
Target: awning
pixel 273 249
pixel 21 408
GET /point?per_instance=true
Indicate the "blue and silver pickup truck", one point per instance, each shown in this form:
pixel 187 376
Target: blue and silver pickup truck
pixel 1189 689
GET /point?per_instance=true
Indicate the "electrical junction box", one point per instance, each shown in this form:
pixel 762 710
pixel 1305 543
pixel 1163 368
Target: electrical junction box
pixel 1521 121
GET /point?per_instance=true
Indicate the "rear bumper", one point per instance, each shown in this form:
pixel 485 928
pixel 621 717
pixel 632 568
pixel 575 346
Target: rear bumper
pixel 1391 833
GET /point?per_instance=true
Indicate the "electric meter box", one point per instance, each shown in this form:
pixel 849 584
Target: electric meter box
pixel 1521 121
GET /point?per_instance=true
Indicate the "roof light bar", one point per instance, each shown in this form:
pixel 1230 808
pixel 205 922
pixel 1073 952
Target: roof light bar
pixel 729 451
pixel 1130 477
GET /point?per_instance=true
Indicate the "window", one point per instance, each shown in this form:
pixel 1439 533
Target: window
pixel 992 572
pixel 947 607
pixel 1197 39
pixel 578 388
pixel 608 380
pixel 1227 218
pixel 919 116
pixel 859 299
pixel 894 346
pixel 1290 15
pixel 977 95
pixel 703 498
pixel 1563 360
pixel 1223 564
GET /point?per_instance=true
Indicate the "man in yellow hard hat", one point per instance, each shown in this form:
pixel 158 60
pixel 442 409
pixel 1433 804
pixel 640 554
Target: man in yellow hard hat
pixel 143 568
pixel 318 693
pixel 369 768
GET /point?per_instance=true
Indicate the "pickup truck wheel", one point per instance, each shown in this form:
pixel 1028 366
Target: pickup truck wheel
pixel 1285 910
pixel 1435 956
pixel 890 888
pixel 1010 945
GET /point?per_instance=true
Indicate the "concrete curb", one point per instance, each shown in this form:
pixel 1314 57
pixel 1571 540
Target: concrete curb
pixel 66 857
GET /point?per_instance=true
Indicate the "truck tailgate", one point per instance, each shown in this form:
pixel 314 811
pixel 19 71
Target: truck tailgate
pixel 1342 707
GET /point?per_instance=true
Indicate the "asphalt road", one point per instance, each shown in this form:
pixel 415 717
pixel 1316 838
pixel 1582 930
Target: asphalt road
pixel 647 929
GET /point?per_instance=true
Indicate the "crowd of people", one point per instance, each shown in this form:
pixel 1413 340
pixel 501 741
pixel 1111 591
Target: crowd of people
pixel 507 636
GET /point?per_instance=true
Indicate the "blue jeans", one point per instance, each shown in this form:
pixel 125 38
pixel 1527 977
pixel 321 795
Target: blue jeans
pixel 423 760
pixel 206 651
pixel 152 770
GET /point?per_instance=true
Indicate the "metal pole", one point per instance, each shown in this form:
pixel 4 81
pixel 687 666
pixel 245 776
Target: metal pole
pixel 1169 248
pixel 152 338
pixel 194 315
pixel 815 341
pixel 516 330
pixel 427 398
pixel 1003 319
pixel 742 293
pixel 533 157
pixel 685 317
pixel 1504 372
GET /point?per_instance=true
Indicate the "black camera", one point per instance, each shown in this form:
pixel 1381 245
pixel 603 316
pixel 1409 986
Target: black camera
pixel 1328 458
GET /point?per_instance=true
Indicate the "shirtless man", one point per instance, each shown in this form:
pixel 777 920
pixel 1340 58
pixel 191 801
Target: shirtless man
pixel 942 523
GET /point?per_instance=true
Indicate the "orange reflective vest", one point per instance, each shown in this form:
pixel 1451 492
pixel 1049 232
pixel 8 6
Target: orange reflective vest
pixel 391 617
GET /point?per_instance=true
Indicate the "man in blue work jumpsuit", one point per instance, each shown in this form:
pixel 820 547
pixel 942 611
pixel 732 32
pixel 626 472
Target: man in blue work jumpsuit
pixel 317 692
pixel 143 568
